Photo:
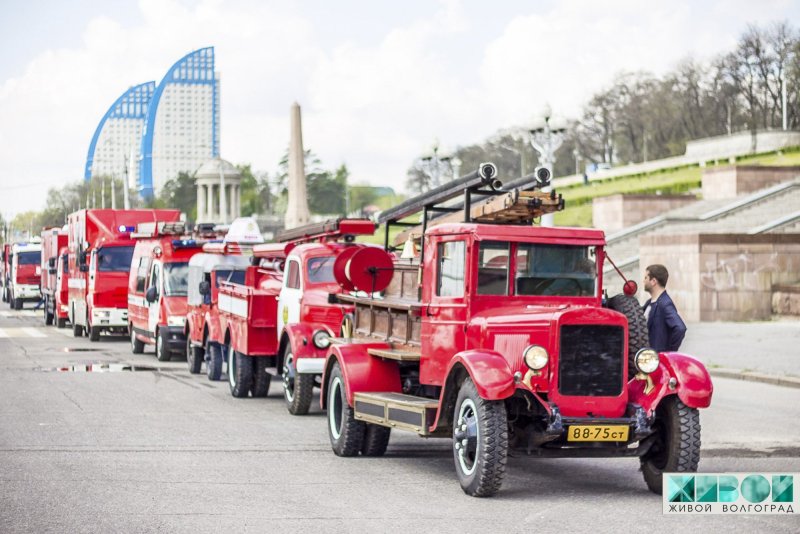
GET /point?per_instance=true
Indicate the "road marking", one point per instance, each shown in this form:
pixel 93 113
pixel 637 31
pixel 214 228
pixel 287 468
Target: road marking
pixel 21 332
pixel 66 332
pixel 33 332
pixel 23 313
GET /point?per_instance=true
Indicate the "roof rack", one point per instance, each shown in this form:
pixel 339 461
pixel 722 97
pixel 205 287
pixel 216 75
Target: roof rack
pixel 330 230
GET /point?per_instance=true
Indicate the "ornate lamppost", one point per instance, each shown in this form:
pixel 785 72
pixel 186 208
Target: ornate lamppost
pixel 436 165
pixel 546 136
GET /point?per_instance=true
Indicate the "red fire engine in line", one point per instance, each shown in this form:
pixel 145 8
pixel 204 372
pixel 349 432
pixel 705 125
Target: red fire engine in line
pixel 157 287
pixel 500 337
pixel 218 263
pixel 100 251
pixel 54 289
pixel 25 272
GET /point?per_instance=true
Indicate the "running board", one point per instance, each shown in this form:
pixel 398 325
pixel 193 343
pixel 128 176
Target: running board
pixel 395 410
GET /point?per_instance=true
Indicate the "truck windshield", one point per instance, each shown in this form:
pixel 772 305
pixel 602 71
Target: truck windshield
pixel 29 258
pixel 114 259
pixel 236 277
pixel 176 279
pixel 320 270
pixel 554 270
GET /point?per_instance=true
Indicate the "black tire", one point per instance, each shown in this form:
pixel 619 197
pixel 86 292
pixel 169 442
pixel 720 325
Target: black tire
pixel 240 373
pixel 348 325
pixel 17 304
pixel 298 389
pixel 162 347
pixel 5 295
pixel 213 357
pixel 376 439
pixel 194 356
pixel 346 434
pixel 137 347
pixel 480 442
pixel 638 336
pixel 48 317
pixel 77 330
pixel 94 333
pixel 677 446
pixel 261 379
pixel 61 322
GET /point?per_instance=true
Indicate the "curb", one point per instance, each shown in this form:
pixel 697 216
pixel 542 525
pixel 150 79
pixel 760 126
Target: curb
pixel 752 376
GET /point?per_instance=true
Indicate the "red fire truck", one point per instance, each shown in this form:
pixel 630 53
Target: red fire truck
pixel 500 337
pixel 220 262
pixel 100 251
pixel 25 272
pixel 157 288
pixel 54 291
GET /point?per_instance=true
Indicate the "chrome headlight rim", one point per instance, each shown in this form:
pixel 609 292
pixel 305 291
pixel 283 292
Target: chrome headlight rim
pixel 535 357
pixel 646 360
pixel 321 339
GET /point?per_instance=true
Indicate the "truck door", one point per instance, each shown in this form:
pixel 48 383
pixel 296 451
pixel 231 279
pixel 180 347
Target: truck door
pixel 154 308
pixel 444 317
pixel 289 297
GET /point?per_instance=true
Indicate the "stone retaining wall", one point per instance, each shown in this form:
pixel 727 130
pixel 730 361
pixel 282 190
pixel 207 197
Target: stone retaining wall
pixel 615 212
pixel 734 180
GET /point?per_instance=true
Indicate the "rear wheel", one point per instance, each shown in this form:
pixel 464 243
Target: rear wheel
pixel 345 432
pixel 298 389
pixel 77 330
pixel 677 445
pixel 638 337
pixel 213 356
pixel 94 333
pixel 194 356
pixel 48 317
pixel 17 304
pixel 480 442
pixel 240 373
pixel 261 379
pixel 162 347
pixel 61 322
pixel 376 439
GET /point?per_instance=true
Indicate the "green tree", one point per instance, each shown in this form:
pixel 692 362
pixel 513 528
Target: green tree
pixel 179 193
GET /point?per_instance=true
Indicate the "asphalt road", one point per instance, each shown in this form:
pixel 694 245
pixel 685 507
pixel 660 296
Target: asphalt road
pixel 165 451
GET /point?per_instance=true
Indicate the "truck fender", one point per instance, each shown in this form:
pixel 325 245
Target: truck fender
pixel 298 337
pixel 692 383
pixel 361 371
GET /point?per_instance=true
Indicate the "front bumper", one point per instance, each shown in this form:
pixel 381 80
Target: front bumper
pixel 110 317
pixel 175 338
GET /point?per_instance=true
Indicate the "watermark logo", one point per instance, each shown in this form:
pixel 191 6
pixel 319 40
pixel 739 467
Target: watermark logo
pixel 730 493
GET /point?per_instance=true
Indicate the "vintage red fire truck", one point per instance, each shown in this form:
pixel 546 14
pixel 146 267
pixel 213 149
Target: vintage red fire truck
pixel 54 289
pixel 220 262
pixel 25 271
pixel 158 288
pixel 100 251
pixel 288 338
pixel 499 337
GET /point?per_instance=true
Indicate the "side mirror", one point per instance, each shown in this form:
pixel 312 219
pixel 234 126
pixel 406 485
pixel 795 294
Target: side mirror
pixel 151 294
pixel 51 263
pixel 84 268
pixel 52 271
pixel 204 288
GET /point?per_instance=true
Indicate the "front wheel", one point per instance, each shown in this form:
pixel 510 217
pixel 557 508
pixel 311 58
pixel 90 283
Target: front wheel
pixel 94 333
pixel 137 347
pixel 240 373
pixel 194 356
pixel 376 439
pixel 298 389
pixel 213 355
pixel 61 322
pixel 345 432
pixel 77 330
pixel 17 304
pixel 162 347
pixel 677 443
pixel 480 442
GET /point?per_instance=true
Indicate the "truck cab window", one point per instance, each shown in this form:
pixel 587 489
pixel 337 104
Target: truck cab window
pixel 113 259
pixel 493 268
pixel 555 270
pixel 450 272
pixel 141 273
pixel 293 275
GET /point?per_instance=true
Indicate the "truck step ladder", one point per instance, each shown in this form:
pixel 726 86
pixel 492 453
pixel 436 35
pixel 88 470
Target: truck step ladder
pixel 396 410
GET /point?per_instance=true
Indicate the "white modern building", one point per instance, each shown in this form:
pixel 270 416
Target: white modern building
pixel 174 129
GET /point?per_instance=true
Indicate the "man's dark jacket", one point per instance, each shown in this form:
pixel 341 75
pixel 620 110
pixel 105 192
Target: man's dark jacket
pixel 665 326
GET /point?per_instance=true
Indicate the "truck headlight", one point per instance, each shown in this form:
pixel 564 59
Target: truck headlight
pixel 646 361
pixel 176 320
pixel 535 357
pixel 321 339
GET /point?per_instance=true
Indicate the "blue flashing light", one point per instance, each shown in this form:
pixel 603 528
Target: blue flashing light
pixel 126 229
pixel 184 243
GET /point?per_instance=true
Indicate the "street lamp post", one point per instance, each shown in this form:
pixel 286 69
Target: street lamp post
pixel 434 165
pixel 546 138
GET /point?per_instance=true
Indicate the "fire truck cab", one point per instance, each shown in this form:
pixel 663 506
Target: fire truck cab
pixel 158 288
pixel 54 292
pixel 24 278
pixel 499 336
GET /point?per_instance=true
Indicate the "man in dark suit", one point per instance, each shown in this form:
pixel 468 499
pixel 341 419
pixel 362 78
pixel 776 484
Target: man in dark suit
pixel 664 325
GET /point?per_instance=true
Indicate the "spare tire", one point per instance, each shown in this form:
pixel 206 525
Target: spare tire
pixel 638 337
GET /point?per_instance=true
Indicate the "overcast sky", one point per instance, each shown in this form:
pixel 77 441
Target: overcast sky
pixel 377 81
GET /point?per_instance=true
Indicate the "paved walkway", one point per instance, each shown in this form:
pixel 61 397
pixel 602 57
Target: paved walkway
pixel 762 351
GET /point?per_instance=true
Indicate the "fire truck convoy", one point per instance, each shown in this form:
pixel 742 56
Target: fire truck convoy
pixel 157 287
pixel 100 252
pixel 53 282
pixel 499 336
pixel 24 274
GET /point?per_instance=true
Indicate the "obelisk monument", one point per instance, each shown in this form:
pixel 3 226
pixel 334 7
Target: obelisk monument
pixel 297 204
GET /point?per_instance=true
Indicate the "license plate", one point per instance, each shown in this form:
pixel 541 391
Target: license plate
pixel 597 433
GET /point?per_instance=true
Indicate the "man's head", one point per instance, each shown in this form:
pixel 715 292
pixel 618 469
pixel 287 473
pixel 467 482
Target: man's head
pixel 655 278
